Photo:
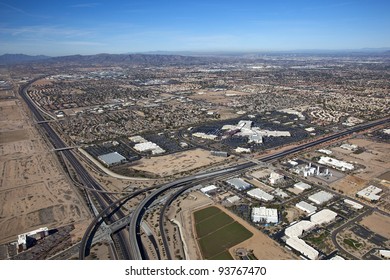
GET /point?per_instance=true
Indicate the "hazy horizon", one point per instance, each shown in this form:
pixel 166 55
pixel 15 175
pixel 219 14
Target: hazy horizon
pixel 117 27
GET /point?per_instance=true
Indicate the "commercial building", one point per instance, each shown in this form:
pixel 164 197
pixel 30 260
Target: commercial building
pixel 264 215
pixel 303 248
pixel 338 164
pixel 149 147
pixel 302 186
pixel 112 159
pixel 205 136
pixel 323 217
pixel 209 189
pixel 25 238
pixel 233 199
pixel 296 230
pixel 353 204
pixel 304 206
pixel 320 197
pixel 275 178
pixel 260 195
pixel 238 184
pixel 370 193
pixel 385 253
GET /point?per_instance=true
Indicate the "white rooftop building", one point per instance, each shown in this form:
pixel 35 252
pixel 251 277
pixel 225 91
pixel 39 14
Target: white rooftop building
pixel 297 229
pixel 275 178
pixel 233 199
pixel 302 247
pixel 353 204
pixel 111 159
pixel 209 189
pixel 385 253
pixel 338 164
pixel 239 184
pixel 205 136
pixel 370 193
pixel 302 186
pixel 320 197
pixel 323 217
pixel 304 206
pixel 294 231
pixel 265 215
pixel 260 194
pixel 37 234
pixel 149 147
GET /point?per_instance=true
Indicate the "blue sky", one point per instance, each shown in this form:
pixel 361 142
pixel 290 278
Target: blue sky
pixel 77 27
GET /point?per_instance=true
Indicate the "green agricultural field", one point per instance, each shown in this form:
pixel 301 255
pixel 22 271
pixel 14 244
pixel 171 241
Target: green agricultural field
pixel 217 232
pixel 206 213
pixel 212 223
pixel 225 255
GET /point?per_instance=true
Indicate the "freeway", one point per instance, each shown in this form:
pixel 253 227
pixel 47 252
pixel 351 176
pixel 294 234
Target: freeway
pixel 134 227
pixel 102 198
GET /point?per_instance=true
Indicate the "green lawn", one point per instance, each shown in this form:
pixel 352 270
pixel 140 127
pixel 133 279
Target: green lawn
pixel 353 243
pixel 217 232
pixel 206 213
pixel 213 223
pixel 225 255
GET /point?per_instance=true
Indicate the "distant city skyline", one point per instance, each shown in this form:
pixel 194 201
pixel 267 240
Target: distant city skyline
pixel 58 28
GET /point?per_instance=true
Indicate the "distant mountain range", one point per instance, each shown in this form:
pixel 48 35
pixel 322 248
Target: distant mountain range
pixel 20 58
pixel 161 58
pixel 105 59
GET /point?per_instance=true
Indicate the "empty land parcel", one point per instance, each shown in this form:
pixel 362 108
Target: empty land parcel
pixel 217 232
pixel 33 190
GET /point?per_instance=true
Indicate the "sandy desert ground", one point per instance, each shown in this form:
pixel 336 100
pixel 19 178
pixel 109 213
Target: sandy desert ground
pixel 34 191
pixel 178 162
pixel 378 223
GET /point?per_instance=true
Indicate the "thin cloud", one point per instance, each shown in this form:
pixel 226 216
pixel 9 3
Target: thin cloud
pixel 85 5
pixel 40 31
pixel 16 9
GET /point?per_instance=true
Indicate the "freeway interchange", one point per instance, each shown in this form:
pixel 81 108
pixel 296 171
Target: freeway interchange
pixel 129 243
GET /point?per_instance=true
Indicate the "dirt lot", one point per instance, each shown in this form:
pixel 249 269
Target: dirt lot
pixel 177 163
pixel 192 202
pixel 264 248
pixel 218 97
pixel 350 185
pixel 378 223
pixel 34 192
pixel 375 158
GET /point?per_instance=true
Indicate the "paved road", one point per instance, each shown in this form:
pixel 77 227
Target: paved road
pixel 135 242
pixel 347 224
pixel 102 198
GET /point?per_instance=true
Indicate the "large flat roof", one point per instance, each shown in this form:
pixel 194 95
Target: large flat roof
pixel 239 183
pixel 260 194
pixel 111 158
pixel 371 193
pixel 321 197
pixel 208 189
pixel 304 206
pixel 322 217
